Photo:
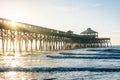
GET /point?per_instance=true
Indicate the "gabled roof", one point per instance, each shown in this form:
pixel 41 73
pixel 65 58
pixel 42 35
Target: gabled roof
pixel 89 31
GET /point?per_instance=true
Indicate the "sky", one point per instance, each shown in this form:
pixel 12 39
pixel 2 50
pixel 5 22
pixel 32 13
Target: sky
pixel 102 16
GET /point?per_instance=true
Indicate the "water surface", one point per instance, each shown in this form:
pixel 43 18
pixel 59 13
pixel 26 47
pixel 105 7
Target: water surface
pixel 79 64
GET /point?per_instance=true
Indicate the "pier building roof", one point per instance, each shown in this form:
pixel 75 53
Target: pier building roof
pixel 89 31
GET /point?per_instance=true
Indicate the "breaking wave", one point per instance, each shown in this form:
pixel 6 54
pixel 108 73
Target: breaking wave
pixel 59 69
pixel 98 54
pixel 106 50
pixel 84 57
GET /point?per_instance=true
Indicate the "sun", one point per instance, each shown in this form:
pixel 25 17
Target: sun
pixel 14 16
pixel 14 13
pixel 13 23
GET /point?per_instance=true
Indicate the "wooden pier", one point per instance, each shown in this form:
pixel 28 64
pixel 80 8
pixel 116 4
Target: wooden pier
pixel 21 37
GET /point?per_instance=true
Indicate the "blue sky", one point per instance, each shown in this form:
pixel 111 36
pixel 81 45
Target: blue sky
pixel 76 15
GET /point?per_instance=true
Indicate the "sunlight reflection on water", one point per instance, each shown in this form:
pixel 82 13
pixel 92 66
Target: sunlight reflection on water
pixel 24 67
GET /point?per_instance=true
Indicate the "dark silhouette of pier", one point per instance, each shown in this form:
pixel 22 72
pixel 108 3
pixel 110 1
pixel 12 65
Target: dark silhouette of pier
pixel 18 36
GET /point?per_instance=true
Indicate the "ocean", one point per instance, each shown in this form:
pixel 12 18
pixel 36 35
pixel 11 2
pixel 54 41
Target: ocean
pixel 77 64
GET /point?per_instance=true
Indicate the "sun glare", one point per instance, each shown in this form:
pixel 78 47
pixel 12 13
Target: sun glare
pixel 13 64
pixel 14 14
pixel 13 23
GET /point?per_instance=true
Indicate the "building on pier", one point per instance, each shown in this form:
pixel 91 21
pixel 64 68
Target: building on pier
pixel 89 31
pixel 22 37
pixel 93 40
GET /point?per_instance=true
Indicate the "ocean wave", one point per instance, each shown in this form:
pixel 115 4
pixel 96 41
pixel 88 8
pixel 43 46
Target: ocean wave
pixel 87 54
pixel 50 79
pixel 84 57
pixel 59 69
pixel 106 50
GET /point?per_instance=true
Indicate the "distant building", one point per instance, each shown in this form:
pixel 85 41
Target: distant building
pixel 89 31
pixel 70 32
pixel 90 39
